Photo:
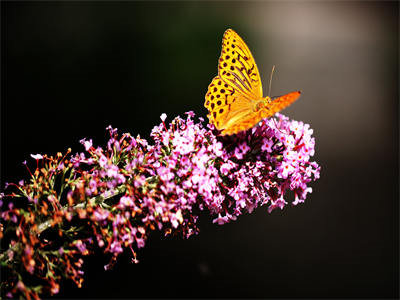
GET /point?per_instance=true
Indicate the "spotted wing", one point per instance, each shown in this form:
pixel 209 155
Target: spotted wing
pixel 238 68
pixel 225 105
pixel 231 95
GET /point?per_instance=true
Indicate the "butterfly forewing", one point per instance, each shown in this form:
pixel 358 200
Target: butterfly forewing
pixel 237 66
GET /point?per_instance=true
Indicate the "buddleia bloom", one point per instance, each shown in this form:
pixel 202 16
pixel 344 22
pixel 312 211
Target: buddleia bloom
pixel 112 197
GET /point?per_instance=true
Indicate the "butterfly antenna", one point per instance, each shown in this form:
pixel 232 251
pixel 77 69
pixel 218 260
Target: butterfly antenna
pixel 270 80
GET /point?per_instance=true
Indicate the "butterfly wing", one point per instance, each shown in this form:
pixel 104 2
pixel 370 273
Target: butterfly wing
pixel 237 115
pixel 238 68
pixel 241 122
pixel 245 119
pixel 231 94
pixel 225 104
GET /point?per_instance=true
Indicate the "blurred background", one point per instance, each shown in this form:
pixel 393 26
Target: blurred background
pixel 69 69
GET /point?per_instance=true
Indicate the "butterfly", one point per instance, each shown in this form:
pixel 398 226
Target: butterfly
pixel 234 98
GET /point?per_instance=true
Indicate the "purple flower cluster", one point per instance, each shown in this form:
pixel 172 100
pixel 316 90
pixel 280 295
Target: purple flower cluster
pixel 234 174
pixel 122 192
pixel 191 167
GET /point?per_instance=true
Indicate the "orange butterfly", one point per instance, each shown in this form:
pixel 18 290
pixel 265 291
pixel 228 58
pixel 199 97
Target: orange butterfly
pixel 235 98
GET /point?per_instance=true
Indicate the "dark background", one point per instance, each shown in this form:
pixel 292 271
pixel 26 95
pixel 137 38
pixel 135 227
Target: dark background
pixel 69 69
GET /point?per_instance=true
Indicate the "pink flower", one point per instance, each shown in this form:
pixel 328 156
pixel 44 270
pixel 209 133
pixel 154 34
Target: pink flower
pixel 81 246
pixel 86 144
pixel 125 201
pixel 37 156
pixel 275 204
pixel 103 161
pixel 267 145
pixel 286 169
pixel 220 220
pixel 116 247
pixel 100 214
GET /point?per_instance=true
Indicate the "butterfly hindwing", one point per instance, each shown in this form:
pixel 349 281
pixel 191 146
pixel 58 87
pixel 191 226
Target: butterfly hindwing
pixel 219 96
pixel 245 121
pixel 224 103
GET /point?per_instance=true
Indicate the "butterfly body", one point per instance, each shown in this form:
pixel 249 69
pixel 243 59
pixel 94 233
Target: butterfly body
pixel 234 98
